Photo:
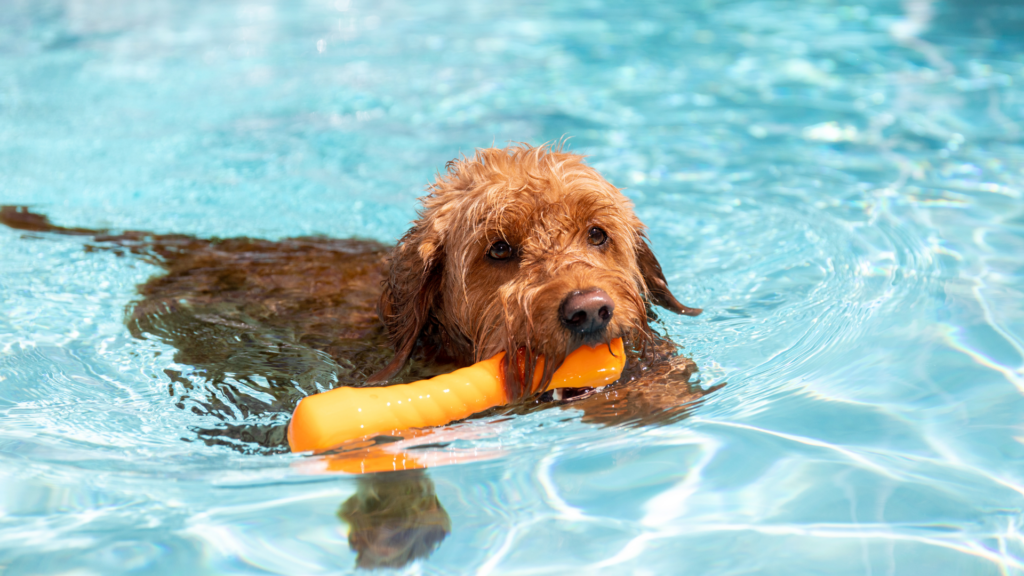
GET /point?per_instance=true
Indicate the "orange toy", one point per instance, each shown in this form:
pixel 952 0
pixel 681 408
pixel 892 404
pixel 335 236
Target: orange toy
pixel 325 420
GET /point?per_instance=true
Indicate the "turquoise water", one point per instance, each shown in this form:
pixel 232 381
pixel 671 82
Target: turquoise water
pixel 840 186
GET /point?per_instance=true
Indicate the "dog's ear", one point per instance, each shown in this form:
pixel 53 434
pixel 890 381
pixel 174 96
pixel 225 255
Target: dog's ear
pixel 654 278
pixel 409 295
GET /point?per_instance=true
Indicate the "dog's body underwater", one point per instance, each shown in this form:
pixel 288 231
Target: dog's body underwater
pixel 523 250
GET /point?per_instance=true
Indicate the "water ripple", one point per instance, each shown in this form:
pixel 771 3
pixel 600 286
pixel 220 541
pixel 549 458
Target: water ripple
pixel 837 186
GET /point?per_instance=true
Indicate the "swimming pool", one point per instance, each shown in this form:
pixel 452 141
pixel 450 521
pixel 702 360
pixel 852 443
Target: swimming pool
pixel 840 186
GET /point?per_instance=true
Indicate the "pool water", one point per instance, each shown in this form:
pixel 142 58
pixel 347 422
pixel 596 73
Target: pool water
pixel 839 186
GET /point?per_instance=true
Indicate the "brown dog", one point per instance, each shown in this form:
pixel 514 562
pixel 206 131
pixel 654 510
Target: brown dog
pixel 523 250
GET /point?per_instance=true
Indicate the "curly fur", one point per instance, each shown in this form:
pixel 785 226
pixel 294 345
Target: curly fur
pixel 442 301
pixel 543 201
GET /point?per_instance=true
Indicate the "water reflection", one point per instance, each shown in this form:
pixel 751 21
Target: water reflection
pixel 394 518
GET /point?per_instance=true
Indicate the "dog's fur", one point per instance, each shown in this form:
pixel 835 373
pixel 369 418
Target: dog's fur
pixel 282 319
pixel 265 323
pixel 542 202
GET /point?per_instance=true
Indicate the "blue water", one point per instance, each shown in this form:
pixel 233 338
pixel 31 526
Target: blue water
pixel 840 186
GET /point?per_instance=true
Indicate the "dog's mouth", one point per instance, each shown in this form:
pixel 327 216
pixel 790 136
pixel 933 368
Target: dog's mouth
pixel 566 394
pixel 534 366
pixel 541 348
pixel 601 337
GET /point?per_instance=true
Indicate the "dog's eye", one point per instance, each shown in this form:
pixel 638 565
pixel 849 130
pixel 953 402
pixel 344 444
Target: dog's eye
pixel 596 236
pixel 500 250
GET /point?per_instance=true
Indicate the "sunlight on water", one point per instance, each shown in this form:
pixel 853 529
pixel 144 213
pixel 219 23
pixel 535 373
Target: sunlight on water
pixel 839 186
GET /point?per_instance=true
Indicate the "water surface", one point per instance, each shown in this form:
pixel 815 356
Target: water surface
pixel 838 185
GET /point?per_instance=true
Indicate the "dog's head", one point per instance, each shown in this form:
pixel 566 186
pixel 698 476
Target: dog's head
pixel 523 250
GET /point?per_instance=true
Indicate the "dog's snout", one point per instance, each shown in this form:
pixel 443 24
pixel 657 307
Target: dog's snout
pixel 587 311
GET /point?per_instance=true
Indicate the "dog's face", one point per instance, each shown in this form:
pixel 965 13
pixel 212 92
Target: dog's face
pixel 527 251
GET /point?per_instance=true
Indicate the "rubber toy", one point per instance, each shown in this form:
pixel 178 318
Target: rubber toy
pixel 325 420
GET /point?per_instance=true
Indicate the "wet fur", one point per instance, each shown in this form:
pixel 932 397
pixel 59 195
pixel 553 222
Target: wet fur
pixel 542 202
pixel 265 323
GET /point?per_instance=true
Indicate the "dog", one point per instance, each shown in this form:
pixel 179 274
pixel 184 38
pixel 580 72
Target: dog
pixel 523 250
pixel 526 250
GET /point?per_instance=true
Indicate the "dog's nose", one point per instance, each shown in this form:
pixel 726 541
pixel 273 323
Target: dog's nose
pixel 587 311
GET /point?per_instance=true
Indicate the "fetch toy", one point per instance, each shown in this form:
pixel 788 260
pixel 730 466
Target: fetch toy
pixel 324 420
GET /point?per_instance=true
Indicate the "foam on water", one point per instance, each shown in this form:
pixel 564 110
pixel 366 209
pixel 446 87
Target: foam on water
pixel 839 186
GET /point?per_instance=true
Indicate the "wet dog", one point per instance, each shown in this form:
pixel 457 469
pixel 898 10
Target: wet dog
pixel 522 250
pixel 525 250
